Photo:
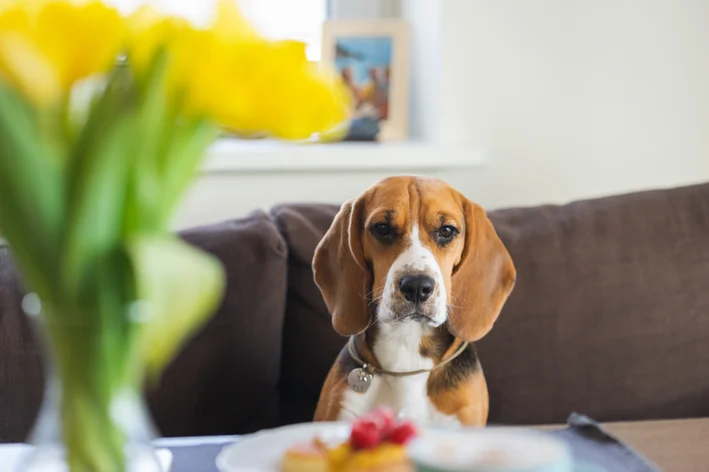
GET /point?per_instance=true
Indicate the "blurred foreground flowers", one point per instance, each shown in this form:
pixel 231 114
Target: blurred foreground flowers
pixel 103 122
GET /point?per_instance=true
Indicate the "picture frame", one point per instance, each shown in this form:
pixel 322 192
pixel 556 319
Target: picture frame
pixel 373 58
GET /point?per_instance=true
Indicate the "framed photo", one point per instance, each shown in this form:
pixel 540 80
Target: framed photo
pixel 373 59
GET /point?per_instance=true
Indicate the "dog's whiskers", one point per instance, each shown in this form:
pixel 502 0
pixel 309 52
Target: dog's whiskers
pixel 457 297
pixel 375 300
pixel 372 292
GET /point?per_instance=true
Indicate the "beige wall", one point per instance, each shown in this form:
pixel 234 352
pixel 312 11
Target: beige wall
pixel 572 99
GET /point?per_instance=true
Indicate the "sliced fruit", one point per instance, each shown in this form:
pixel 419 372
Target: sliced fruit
pixel 365 434
pixel 402 433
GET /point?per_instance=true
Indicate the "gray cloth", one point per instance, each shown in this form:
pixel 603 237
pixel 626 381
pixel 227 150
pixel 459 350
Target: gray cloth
pixel 597 449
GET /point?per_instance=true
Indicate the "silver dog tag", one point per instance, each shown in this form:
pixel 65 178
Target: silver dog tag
pixel 360 379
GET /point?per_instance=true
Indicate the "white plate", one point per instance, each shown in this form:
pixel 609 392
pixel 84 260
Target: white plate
pixel 262 451
pixel 490 449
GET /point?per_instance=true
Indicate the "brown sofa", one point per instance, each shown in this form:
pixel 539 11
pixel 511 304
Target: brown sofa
pixel 610 318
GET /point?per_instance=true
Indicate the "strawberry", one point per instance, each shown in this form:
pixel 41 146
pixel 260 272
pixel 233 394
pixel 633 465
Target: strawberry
pixel 365 434
pixel 402 433
pixel 386 420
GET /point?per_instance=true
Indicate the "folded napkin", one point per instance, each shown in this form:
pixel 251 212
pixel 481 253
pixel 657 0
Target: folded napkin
pixel 595 448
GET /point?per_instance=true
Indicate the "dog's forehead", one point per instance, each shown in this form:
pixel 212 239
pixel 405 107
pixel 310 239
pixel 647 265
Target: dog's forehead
pixel 406 199
pixel 438 198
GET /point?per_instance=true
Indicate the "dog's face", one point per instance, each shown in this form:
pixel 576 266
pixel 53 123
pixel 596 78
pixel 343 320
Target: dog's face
pixel 412 242
pixel 413 249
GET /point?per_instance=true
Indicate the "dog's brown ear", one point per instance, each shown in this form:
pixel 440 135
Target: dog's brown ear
pixel 482 280
pixel 341 272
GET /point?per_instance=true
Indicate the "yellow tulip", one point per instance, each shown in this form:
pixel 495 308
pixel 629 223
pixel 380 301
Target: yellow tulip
pixel 251 85
pixel 230 73
pixel 79 40
pixel 278 92
pixel 46 47
pixel 148 32
pixel 22 65
pixel 230 25
pixel 13 18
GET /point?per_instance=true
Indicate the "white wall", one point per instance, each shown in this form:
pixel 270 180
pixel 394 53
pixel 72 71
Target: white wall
pixel 572 98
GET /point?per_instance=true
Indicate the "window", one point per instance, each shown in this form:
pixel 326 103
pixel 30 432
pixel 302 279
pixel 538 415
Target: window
pixel 277 19
pixel 296 19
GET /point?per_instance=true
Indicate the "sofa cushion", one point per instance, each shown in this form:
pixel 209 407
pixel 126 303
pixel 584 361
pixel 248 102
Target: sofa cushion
pixel 225 381
pixel 610 314
pixel 309 344
pixel 609 317
pixel 21 375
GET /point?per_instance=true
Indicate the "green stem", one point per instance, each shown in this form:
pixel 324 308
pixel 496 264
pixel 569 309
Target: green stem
pixel 93 373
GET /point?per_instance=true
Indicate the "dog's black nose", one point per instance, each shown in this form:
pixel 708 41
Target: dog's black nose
pixel 417 288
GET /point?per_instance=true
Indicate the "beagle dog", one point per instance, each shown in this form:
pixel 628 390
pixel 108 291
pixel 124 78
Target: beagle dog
pixel 413 273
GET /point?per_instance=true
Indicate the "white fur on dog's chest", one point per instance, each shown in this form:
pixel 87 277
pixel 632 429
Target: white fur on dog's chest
pixel 397 350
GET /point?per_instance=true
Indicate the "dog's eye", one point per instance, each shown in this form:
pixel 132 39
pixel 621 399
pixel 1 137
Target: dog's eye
pixel 382 230
pixel 447 231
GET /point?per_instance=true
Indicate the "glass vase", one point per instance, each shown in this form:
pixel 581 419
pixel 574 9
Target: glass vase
pixel 93 416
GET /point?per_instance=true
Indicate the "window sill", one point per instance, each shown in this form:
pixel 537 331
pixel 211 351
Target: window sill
pixel 231 156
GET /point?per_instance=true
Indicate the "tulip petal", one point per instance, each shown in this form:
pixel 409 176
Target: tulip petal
pixel 180 287
pixel 26 69
pixel 63 42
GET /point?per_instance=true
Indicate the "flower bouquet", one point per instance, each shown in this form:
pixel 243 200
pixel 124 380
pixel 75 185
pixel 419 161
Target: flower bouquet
pixel 103 121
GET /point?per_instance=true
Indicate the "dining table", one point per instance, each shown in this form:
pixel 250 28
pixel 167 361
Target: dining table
pixel 680 445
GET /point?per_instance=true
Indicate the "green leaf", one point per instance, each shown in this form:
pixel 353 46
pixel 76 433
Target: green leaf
pixel 179 287
pixel 97 176
pixel 155 122
pixel 31 193
pixel 186 151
